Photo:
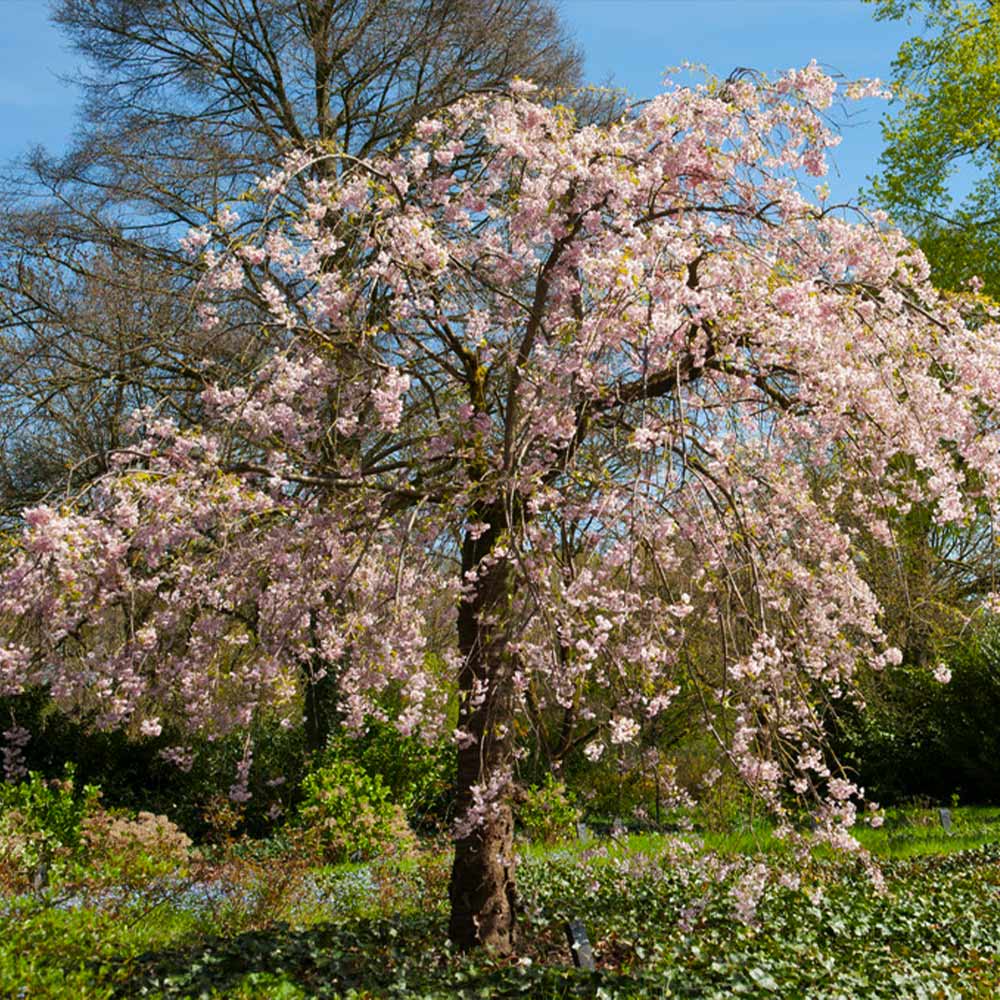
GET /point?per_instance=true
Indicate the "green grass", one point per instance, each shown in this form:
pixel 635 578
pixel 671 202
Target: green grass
pixel 907 832
pixel 914 832
pixel 49 952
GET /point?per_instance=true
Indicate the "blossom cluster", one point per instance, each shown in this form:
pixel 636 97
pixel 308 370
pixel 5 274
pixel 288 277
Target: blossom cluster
pixel 605 394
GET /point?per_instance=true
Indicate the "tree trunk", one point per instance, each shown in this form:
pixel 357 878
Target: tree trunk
pixel 482 879
pixel 320 710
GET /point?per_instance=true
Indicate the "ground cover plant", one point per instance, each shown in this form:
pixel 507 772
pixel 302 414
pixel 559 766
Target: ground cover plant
pixel 668 916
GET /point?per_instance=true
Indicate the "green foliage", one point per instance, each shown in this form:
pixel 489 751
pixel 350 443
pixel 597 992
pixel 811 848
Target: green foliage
pixel 659 915
pixel 131 851
pixel 946 121
pixel 918 738
pixel 418 775
pixel 133 776
pixel 616 786
pixel 548 812
pixel 835 936
pixel 48 953
pixel 348 814
pixel 41 821
pixel 53 833
pixel 914 832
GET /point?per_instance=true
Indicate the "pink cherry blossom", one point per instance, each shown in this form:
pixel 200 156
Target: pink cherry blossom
pixel 942 674
pixel 566 438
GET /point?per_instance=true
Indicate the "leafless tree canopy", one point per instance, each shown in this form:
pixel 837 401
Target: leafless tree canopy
pixel 187 98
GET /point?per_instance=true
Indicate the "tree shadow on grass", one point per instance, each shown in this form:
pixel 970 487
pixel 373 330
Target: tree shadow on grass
pixel 402 957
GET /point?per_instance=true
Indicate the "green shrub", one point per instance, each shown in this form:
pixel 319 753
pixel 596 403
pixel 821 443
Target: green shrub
pixel 548 812
pixel 41 822
pixel 55 828
pixel 418 775
pixel 132 774
pixel 348 814
pixel 920 739
pixel 131 850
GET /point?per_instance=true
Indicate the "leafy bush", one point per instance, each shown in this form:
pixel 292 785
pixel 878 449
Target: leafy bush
pixel 548 812
pixel 919 738
pixel 133 851
pixel 54 831
pixel 41 821
pixel 133 775
pixel 418 775
pixel 348 814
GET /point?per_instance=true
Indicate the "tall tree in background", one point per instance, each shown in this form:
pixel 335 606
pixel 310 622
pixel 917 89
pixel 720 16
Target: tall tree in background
pixel 946 134
pixel 940 181
pixel 186 103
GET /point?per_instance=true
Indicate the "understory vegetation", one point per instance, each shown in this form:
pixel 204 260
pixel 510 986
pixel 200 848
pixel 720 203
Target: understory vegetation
pixel 332 880
pixel 108 903
pixel 667 915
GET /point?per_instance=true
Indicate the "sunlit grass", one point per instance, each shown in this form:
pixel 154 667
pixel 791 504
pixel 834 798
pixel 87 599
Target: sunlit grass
pixel 907 832
pixel 915 832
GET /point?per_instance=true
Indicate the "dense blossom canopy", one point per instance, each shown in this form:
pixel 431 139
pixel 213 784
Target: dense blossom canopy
pixel 609 389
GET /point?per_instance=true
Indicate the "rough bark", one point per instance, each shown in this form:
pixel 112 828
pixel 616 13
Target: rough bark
pixel 482 882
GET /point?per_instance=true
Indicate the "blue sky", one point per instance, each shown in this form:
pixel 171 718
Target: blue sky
pixel 634 41
pixel 631 42
pixel 35 106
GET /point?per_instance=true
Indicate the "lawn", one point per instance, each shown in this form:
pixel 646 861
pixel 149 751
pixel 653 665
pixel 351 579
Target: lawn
pixel 668 916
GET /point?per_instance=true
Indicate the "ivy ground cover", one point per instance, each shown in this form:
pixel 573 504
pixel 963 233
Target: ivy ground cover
pixel 667 917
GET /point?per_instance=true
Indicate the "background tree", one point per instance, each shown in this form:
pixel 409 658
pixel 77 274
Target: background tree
pixel 918 738
pixel 946 134
pixel 586 362
pixel 938 180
